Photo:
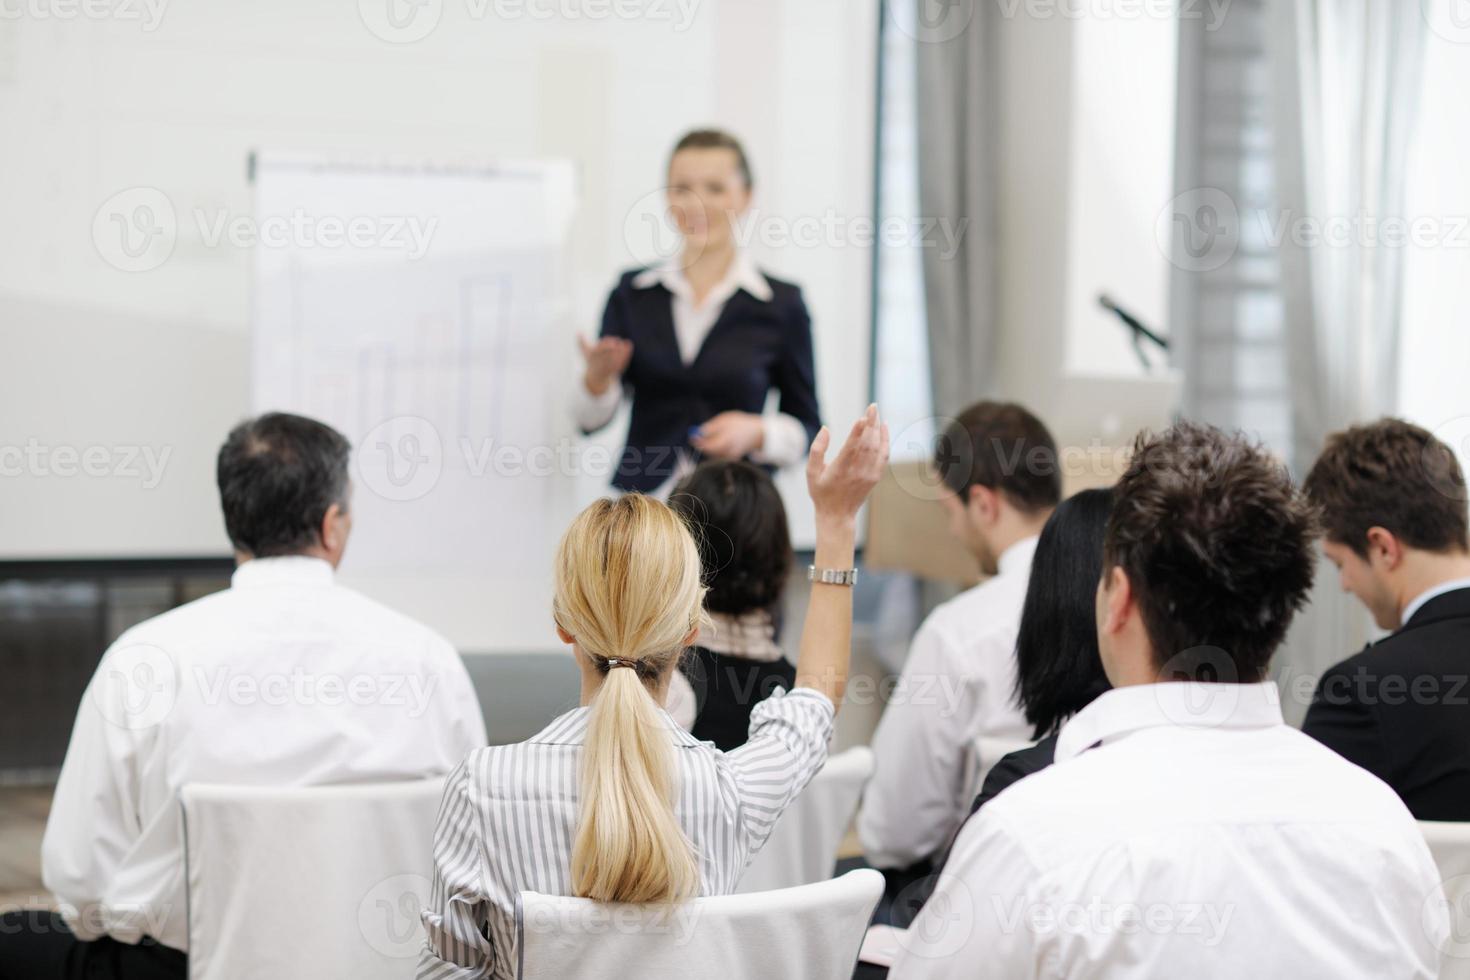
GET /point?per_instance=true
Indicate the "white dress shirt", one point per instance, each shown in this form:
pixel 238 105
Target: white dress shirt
pixel 1417 603
pixel 284 679
pixel 784 440
pixel 509 819
pixel 957 685
pixel 1185 831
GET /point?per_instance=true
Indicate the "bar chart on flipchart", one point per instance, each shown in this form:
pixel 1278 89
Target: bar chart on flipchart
pixel 418 309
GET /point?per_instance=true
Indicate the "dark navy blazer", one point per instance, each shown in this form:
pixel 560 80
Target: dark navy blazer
pixel 1401 709
pixel 754 346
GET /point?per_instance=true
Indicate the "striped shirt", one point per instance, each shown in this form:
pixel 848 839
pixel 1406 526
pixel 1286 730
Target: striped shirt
pixel 509 816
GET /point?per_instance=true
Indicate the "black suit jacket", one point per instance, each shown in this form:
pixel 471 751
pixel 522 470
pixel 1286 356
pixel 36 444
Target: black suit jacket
pixel 754 346
pixel 727 689
pixel 1401 709
pixel 1015 767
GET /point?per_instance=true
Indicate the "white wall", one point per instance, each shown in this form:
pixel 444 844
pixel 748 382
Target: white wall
pixel 89 108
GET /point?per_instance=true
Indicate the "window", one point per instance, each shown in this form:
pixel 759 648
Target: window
pixel 900 373
pixel 1434 343
pixel 1231 317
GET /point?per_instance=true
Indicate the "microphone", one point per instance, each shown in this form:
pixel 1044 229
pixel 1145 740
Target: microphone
pixel 1139 331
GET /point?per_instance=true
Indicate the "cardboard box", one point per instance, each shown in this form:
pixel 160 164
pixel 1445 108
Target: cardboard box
pixel 908 529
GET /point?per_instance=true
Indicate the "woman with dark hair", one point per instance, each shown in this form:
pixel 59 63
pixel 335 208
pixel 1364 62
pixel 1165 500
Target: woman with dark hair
pixel 738 520
pixel 1058 669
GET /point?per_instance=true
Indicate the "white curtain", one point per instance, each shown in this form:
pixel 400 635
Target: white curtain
pixel 1345 88
pixel 959 118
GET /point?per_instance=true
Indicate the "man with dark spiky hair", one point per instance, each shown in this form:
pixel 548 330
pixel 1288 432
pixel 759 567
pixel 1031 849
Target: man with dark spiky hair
pixel 1185 830
pixel 1392 502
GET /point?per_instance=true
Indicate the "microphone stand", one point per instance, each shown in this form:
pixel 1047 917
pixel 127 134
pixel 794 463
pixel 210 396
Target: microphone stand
pixel 1139 331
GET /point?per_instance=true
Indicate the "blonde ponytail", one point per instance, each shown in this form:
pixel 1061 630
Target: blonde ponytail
pixel 628 588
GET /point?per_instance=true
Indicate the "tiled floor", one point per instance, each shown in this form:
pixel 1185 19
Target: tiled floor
pixel 22 822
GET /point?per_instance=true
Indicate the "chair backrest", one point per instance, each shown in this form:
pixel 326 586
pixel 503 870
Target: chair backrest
pixel 1450 845
pixel 802 848
pixel 321 881
pixel 981 755
pixel 807 933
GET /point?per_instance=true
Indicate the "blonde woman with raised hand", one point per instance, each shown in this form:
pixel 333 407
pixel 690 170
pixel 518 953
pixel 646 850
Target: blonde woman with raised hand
pixel 613 801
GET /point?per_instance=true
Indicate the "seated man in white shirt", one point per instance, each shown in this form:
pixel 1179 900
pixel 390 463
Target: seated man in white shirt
pixel 1000 482
pixel 284 679
pixel 1184 830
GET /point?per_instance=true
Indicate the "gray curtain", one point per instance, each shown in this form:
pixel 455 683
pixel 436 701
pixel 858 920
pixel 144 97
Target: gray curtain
pixel 958 122
pixel 1346 77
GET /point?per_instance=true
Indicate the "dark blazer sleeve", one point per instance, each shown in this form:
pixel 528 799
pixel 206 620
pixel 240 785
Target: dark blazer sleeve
pixel 615 324
pixel 796 376
pixel 1341 720
pixel 615 314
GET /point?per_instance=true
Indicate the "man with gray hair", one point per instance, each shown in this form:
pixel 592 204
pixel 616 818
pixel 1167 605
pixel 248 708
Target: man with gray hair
pixel 284 679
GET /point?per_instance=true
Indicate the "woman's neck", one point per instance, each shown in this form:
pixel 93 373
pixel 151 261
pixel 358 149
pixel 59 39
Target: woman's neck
pixel 707 269
pixel 592 683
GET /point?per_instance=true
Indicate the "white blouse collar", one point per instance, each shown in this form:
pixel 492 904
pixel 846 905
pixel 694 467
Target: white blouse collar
pixel 742 275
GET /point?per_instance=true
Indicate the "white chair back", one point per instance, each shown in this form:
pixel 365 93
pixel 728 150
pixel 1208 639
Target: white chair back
pixel 1450 845
pixel 981 755
pixel 802 848
pixel 307 882
pixel 807 933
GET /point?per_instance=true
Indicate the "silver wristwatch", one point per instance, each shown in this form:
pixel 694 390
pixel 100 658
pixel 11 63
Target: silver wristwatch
pixel 832 576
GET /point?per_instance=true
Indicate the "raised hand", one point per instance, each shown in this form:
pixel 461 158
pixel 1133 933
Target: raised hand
pixel 607 358
pixel 839 488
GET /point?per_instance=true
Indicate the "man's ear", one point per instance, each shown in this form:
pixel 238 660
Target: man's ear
pixel 334 529
pixel 1118 600
pixel 1384 549
pixel 983 504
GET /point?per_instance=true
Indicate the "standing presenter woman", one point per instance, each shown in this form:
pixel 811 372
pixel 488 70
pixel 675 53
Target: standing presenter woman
pixel 699 341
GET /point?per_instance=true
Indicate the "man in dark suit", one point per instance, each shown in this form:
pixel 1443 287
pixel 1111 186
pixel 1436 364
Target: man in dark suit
pixel 1393 505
